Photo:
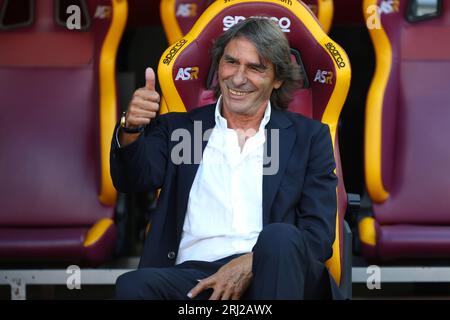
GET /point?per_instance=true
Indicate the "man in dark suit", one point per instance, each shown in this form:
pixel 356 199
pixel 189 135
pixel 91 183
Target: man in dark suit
pixel 232 222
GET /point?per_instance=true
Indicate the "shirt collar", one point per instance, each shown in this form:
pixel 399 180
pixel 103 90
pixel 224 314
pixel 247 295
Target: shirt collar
pixel 221 122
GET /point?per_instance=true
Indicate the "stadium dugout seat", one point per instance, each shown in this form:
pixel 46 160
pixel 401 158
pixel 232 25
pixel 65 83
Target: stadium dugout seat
pixel 58 102
pixel 326 68
pixel 407 145
pixel 178 16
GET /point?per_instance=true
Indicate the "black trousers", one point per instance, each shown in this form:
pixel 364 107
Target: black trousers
pixel 282 269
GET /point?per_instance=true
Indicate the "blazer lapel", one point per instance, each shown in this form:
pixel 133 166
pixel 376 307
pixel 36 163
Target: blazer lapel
pixel 202 121
pixel 280 138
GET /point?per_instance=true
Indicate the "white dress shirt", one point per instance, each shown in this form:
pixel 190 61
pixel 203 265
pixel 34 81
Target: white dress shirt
pixel 224 211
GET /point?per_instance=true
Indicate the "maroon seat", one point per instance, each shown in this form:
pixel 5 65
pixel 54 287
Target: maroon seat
pixel 185 79
pixel 407 145
pixel 178 16
pixel 58 102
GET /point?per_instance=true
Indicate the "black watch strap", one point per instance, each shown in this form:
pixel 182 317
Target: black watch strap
pixel 126 129
pixel 132 130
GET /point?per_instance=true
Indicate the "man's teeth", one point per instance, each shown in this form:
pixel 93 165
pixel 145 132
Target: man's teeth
pixel 238 93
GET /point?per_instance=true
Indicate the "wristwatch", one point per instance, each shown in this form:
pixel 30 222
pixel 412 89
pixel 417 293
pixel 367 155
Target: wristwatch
pixel 123 125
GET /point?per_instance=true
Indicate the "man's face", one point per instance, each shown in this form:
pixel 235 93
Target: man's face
pixel 245 81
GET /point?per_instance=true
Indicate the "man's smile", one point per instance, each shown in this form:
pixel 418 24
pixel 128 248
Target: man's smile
pixel 238 92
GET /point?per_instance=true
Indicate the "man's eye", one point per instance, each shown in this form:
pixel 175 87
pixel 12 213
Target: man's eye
pixel 257 69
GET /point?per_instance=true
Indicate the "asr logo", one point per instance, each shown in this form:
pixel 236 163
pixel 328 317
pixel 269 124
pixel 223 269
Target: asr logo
pixel 325 77
pixel 389 6
pixel 187 10
pixel 188 73
pixel 103 12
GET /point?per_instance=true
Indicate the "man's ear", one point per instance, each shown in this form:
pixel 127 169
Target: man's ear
pixel 277 84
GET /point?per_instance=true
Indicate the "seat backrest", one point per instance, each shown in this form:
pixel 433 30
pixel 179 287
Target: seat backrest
pixel 407 150
pixel 58 93
pixel 185 77
pixel 178 16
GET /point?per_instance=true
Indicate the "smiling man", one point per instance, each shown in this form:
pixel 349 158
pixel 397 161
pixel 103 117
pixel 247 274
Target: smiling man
pixel 223 229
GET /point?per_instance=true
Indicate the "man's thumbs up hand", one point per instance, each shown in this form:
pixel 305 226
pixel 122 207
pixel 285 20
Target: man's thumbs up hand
pixel 145 103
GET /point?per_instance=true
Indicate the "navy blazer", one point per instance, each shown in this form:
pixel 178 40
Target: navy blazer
pixel 302 192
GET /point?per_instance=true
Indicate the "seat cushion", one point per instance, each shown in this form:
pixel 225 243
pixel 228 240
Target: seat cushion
pixel 55 245
pixel 403 241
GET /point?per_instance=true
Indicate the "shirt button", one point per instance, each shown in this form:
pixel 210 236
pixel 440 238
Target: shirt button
pixel 171 255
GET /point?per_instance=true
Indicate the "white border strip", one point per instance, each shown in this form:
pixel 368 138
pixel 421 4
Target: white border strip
pixel 404 274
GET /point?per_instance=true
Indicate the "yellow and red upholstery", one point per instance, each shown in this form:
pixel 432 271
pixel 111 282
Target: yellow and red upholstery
pixel 185 66
pixel 178 16
pixel 407 146
pixel 58 101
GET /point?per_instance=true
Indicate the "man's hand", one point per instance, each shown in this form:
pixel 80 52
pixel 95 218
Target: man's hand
pixel 143 107
pixel 229 282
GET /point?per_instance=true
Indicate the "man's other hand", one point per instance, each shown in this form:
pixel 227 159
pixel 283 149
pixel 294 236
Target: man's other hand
pixel 230 282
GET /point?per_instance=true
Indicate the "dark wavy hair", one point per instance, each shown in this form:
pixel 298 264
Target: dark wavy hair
pixel 272 45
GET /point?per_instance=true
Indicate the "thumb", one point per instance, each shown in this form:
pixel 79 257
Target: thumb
pixel 150 79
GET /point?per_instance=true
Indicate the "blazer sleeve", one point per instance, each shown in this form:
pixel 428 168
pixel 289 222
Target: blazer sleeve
pixel 141 166
pixel 318 204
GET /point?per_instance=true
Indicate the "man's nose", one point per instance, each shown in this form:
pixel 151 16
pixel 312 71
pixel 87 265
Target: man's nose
pixel 239 77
